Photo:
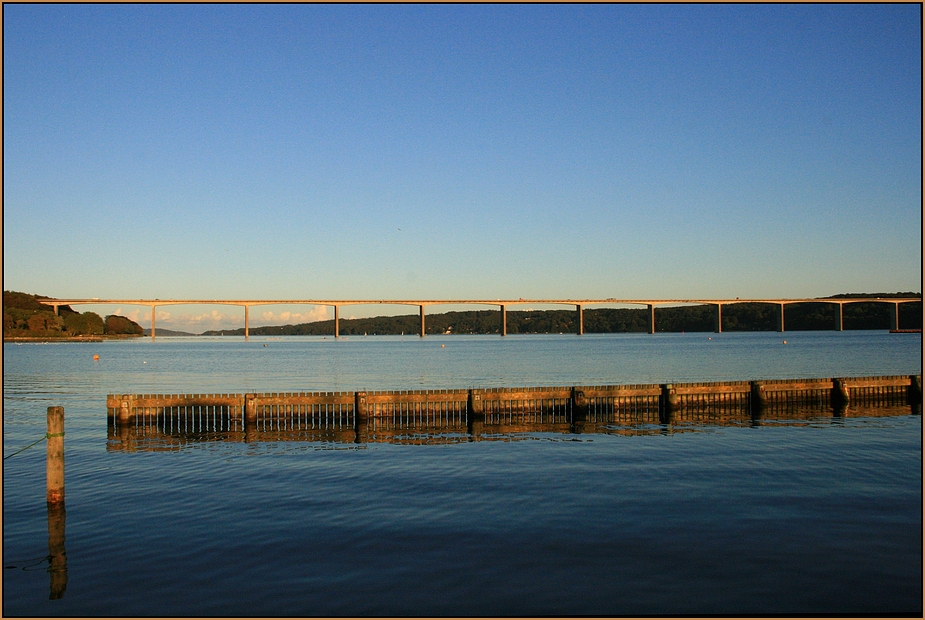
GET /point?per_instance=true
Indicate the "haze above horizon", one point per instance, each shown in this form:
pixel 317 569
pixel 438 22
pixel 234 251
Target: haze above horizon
pixel 460 151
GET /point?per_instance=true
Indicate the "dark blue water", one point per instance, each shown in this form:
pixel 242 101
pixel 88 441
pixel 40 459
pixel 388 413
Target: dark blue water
pixel 802 517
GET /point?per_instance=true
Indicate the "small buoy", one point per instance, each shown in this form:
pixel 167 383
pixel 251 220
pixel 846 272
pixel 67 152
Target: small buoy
pixel 144 362
pixel 442 346
pixel 264 345
pixel 96 357
pixel 709 339
pixel 785 342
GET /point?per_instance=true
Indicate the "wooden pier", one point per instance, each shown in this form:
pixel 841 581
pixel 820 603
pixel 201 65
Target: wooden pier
pixel 658 403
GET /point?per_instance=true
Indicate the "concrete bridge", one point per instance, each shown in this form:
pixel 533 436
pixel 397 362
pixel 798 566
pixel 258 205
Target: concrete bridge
pixel 579 305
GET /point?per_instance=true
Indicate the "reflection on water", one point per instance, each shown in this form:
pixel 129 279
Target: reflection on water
pixel 57 557
pixel 166 432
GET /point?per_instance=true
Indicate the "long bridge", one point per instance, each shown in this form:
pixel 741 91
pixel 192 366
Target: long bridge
pixel 579 305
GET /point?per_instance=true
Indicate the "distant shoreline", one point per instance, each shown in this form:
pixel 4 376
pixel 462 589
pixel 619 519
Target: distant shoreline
pixel 69 338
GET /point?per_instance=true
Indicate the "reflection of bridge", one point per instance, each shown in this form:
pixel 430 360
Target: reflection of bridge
pixel 579 305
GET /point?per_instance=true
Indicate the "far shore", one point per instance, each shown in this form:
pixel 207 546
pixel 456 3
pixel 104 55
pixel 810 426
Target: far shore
pixel 100 338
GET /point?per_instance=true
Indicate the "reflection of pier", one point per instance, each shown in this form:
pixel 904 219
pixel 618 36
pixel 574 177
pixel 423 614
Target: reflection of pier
pixel 146 421
pixel 502 304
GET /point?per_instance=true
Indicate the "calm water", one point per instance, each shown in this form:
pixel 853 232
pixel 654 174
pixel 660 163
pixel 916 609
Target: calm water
pixel 811 517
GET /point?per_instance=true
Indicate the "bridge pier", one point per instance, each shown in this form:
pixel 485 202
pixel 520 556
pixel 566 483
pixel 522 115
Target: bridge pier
pixel 894 318
pixel 152 322
pixel 840 317
pixel 581 319
pixel 246 324
pixel 780 319
pixel 503 321
pixel 422 320
pixel 337 321
pixel 651 308
pixel 719 318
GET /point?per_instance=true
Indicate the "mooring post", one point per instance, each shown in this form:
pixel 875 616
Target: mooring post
pixel 840 395
pixel 360 417
pixel 250 411
pixel 579 409
pixel 126 411
pixel 54 461
pixel 671 402
pixel 759 399
pixel 915 394
pixel 475 413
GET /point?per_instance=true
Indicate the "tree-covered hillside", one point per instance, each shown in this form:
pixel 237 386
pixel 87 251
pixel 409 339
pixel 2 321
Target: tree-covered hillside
pixel 25 317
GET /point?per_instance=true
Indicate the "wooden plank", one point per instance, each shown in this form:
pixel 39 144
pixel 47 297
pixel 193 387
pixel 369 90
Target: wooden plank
pixel 713 389
pixel 383 398
pixel 877 382
pixel 797 386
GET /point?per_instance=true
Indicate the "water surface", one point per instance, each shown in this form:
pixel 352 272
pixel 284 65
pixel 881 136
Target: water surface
pixel 817 516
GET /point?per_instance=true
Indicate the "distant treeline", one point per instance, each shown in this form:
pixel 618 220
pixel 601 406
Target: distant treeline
pixel 701 318
pixel 25 317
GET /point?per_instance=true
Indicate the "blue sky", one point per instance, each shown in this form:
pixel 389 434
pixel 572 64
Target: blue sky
pixel 449 151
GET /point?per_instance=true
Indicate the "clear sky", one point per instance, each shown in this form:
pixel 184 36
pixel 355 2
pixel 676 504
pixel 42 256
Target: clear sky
pixel 449 151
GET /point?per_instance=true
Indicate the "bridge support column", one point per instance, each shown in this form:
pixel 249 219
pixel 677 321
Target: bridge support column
pixel 152 322
pixel 503 321
pixel 337 321
pixel 780 319
pixel 246 324
pixel 719 318
pixel 894 317
pixel 422 321
pixel 581 319
pixel 840 317
pixel 651 308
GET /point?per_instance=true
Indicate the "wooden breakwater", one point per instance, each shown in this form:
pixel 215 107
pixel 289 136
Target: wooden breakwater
pixel 647 403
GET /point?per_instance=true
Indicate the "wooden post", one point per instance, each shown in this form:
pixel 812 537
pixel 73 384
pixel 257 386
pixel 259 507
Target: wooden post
pixel 759 400
pixel 360 417
pixel 840 395
pixel 579 410
pixel 475 414
pixel 54 461
pixel 126 414
pixel 915 394
pixel 250 411
pixel 671 402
